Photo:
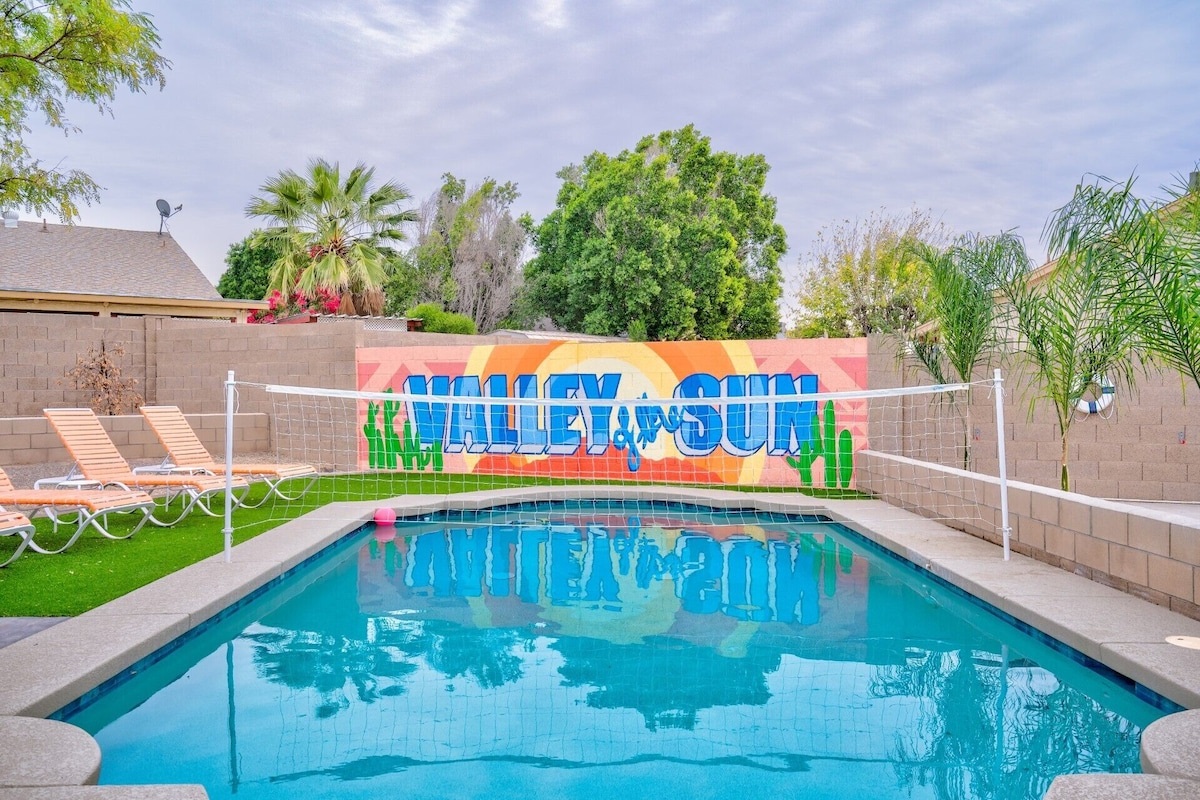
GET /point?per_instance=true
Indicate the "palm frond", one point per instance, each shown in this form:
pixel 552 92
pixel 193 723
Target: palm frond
pixel 331 231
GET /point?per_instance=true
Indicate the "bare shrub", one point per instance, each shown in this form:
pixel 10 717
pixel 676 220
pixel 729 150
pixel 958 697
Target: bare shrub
pixel 99 374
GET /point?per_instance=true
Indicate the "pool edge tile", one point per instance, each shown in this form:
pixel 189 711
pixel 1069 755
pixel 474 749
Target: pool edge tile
pixel 1161 667
pixel 46 671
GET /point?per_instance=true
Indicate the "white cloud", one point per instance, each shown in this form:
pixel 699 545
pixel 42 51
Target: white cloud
pixel 550 13
pixel 401 30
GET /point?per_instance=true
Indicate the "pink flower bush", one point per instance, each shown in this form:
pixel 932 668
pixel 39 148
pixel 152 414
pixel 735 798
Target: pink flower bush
pixel 323 301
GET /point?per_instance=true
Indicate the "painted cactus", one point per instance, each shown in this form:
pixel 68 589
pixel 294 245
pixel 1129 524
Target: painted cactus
pixel 413 455
pixel 387 450
pixel 834 447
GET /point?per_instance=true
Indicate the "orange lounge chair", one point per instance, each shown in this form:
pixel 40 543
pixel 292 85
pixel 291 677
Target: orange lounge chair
pixel 14 523
pixel 185 452
pixel 100 463
pixel 89 507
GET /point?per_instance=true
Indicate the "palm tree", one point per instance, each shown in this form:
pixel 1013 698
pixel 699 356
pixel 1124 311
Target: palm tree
pixel 963 308
pixel 333 234
pixel 1065 315
pixel 1159 249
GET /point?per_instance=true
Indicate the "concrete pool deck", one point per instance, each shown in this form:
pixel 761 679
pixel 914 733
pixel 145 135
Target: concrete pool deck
pixel 53 667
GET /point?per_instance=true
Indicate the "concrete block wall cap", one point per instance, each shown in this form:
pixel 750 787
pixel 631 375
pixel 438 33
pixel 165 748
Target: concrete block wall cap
pixel 1171 746
pixel 1107 786
pixel 43 752
pixel 926 465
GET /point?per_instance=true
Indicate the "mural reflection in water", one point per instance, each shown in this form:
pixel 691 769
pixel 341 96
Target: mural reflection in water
pixel 629 568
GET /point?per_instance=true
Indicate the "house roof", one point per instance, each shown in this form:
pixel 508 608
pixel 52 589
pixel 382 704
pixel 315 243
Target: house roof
pixel 72 259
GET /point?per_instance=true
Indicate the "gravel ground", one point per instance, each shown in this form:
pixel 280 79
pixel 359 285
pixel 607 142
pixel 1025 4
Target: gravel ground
pixel 23 475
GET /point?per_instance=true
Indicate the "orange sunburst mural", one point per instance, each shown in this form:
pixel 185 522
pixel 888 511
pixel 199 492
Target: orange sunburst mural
pixel 697 432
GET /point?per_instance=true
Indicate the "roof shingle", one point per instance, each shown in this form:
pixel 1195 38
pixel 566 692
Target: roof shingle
pixel 39 257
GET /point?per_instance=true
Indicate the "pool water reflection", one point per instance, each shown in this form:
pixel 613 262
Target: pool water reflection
pixel 599 649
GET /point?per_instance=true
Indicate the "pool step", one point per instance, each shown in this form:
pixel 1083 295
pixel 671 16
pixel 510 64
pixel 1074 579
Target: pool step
pixel 1171 746
pixel 1105 786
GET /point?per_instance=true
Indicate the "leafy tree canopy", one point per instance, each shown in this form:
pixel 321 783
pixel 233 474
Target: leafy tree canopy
pixel 668 241
pixel 52 53
pixel 863 276
pixel 436 320
pixel 247 274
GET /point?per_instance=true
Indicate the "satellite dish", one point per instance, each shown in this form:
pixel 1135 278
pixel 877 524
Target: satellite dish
pixel 164 211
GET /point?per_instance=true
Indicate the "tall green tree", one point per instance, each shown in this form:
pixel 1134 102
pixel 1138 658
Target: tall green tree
pixel 670 240
pixel 247 274
pixel 1062 319
pixel 468 253
pixel 332 233
pixel 862 276
pixel 60 52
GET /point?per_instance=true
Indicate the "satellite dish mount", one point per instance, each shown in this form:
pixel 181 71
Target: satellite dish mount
pixel 165 213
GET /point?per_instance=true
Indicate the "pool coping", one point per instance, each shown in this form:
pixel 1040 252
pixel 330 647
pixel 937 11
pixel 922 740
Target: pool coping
pixel 49 669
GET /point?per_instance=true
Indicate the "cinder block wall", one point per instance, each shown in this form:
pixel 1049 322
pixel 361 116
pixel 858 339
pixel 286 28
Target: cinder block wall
pixel 31 440
pixel 37 350
pixel 1149 553
pixel 194 358
pixel 1148 448
pixel 178 362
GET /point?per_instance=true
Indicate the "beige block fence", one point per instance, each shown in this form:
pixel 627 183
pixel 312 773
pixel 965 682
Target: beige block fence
pixel 1149 553
pixel 31 440
pixel 1146 447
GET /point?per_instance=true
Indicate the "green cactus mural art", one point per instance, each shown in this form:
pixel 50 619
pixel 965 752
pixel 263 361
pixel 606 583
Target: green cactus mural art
pixel 374 438
pixel 414 456
pixel 836 448
pixel 388 450
pixel 391 442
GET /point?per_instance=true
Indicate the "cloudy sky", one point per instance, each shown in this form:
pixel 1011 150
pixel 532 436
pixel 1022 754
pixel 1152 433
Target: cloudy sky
pixel 986 113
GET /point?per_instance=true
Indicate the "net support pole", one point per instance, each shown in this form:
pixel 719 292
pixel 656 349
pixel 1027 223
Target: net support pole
pixel 1005 530
pixel 230 388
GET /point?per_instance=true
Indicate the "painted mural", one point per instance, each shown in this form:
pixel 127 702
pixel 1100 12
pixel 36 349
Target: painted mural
pixel 647 419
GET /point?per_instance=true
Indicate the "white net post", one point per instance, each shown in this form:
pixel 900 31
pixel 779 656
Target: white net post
pixel 1005 530
pixel 230 402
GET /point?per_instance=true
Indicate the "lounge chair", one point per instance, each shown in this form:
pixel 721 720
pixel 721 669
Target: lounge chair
pixel 185 452
pixel 84 508
pixel 101 465
pixel 14 523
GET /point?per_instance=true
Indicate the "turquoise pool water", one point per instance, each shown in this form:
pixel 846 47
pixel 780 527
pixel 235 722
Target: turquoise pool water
pixel 613 650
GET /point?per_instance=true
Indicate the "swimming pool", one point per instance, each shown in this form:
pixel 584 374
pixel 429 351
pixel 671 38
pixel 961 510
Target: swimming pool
pixel 592 649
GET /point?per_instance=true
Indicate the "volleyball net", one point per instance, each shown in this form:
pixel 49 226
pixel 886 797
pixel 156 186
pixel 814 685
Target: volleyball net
pixel 753 433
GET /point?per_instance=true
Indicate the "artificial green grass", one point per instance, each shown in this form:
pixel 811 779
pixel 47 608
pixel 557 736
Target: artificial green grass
pixel 95 570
